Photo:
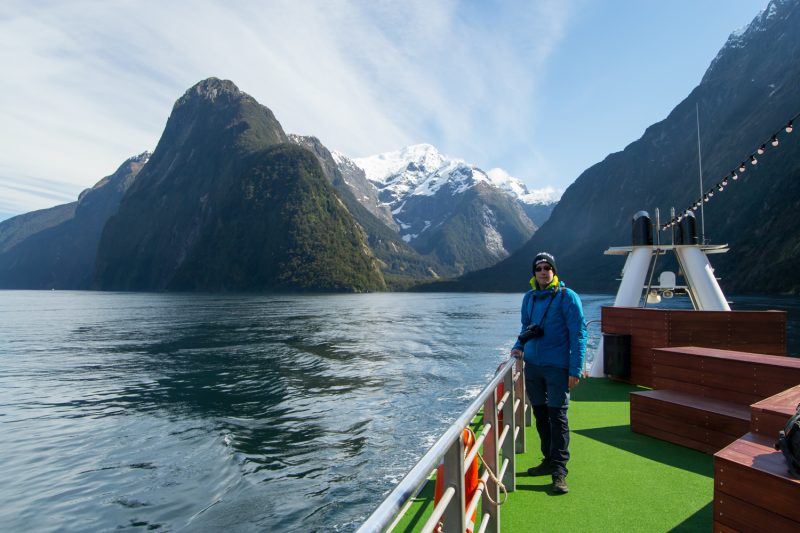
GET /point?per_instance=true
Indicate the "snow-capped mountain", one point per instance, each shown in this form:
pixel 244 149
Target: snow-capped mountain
pixel 422 170
pixel 451 209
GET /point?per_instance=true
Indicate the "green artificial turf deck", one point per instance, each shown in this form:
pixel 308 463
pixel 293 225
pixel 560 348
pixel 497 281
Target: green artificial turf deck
pixel 618 480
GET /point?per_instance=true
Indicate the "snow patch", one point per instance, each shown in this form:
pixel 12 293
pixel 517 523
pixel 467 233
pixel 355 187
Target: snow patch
pixel 492 237
pixel 514 187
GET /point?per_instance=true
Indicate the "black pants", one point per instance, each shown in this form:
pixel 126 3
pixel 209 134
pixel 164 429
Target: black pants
pixel 553 428
pixel 548 392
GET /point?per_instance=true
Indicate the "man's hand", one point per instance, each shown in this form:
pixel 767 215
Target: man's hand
pixel 517 354
pixel 573 381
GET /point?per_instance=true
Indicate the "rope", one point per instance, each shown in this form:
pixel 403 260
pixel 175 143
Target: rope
pixel 491 475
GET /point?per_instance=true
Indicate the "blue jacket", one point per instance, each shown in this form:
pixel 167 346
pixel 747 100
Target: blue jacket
pixel 563 344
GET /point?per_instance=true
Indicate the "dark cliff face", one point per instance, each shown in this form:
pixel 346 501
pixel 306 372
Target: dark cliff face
pixel 225 204
pixel 470 230
pixel 280 228
pixel 749 92
pixel 56 247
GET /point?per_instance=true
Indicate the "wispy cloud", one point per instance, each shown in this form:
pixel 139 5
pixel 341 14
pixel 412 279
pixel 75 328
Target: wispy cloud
pixel 90 83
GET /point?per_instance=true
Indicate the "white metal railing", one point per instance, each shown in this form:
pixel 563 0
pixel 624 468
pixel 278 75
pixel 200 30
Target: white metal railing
pixel 450 446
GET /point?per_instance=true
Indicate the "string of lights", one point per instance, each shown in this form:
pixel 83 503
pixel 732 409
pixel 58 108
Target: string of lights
pixel 733 175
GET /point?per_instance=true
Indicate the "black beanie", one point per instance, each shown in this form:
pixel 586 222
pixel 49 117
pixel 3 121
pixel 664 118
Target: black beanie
pixel 544 257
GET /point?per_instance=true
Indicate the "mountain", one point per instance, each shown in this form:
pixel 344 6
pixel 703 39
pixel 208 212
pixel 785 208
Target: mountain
pixel 56 247
pixel 450 210
pixel 227 203
pixel 402 266
pixel 364 191
pixel 749 92
pixel 537 204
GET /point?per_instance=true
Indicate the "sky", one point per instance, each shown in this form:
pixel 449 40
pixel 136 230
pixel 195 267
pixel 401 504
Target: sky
pixel 542 89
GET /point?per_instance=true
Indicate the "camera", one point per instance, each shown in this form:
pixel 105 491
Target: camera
pixel 534 331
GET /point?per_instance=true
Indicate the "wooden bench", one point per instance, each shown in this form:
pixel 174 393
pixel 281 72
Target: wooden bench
pixel 752 488
pixel 761 332
pixel 703 396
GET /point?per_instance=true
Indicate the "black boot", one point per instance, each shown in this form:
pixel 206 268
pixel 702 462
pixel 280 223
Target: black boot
pixel 545 468
pixel 559 484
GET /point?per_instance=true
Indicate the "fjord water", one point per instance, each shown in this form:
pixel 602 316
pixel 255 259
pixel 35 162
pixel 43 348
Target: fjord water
pixel 248 413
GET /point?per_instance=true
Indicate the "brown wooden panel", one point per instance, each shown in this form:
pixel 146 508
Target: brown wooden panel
pixel 722 380
pixel 676 373
pixel 680 402
pixel 705 391
pixel 734 355
pixel 642 365
pixel 658 328
pixel 681 386
pixel 646 343
pixel 785 401
pixel 639 426
pixel 713 439
pixel 756 451
pixel 736 379
pixel 767 423
pixel 677 357
pixel 630 312
pixel 669 425
pixel 730 367
pixel 773 380
pixel 643 429
pixel 742 398
pixel 745 517
pixel 722 528
pixel 758 488
pixel 764 348
pixel 643 380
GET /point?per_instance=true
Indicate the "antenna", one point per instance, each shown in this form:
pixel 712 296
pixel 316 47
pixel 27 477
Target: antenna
pixel 700 162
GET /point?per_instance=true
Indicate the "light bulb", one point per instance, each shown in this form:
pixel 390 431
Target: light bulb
pixel 734 176
pixel 775 141
pixel 753 160
pixel 789 127
pixel 761 149
pixel 742 168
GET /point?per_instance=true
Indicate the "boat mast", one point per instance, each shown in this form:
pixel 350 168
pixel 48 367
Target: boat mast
pixel 700 162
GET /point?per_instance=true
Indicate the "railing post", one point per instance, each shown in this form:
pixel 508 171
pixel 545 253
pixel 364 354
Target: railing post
pixel 453 516
pixel 528 411
pixel 490 461
pixel 519 416
pixel 509 477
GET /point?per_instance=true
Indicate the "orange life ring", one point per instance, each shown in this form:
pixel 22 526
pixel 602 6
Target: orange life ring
pixel 470 479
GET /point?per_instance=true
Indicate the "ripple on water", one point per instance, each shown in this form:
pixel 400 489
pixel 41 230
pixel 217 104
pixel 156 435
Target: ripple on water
pixel 236 412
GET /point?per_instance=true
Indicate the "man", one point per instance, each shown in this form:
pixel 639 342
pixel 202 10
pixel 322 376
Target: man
pixel 553 345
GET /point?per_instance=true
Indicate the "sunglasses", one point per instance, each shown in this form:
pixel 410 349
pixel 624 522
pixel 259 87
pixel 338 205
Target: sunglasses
pixel 544 268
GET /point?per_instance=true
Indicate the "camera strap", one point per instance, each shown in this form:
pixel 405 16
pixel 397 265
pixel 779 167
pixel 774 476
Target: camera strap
pixel 544 316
